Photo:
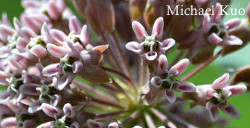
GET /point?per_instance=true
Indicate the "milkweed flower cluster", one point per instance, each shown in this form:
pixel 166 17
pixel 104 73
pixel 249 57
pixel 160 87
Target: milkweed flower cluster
pixel 63 71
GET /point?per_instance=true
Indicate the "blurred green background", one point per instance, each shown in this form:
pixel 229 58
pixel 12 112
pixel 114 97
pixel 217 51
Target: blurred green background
pixel 216 69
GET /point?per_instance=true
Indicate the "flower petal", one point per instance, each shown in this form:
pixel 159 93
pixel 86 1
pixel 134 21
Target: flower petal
pixel 29 89
pixel 51 70
pixel 221 82
pixel 212 110
pixel 56 51
pixel 134 47
pixel 74 25
pixel 9 122
pixel 236 90
pixel 113 125
pixel 139 30
pixel 47 125
pixel 151 55
pixel 180 67
pixel 39 51
pixel 217 13
pixel 167 44
pixel 77 66
pixel 171 97
pixel 157 29
pixel 68 110
pixel 53 11
pixel 94 124
pixel 162 65
pixel 233 40
pixel 232 24
pixel 34 107
pixel 84 36
pixel 50 110
pixel 184 86
pixel 156 81
pixel 29 123
pixel 206 24
pixel 58 35
pixel 214 39
pixel 231 110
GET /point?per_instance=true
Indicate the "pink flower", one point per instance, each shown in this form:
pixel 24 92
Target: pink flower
pixel 216 95
pixel 167 79
pixel 217 32
pixel 150 46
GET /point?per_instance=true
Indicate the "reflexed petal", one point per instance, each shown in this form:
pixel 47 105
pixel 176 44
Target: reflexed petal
pixel 31 4
pixel 84 36
pixel 231 110
pixel 206 24
pixel 94 124
pixel 74 125
pixel 232 24
pixel 205 91
pixel 21 44
pixel 47 125
pixel 180 67
pixel 28 33
pixel 221 82
pixel 74 25
pixel 38 51
pixel 137 126
pixel 31 23
pixel 34 107
pixel 134 47
pixel 29 123
pixel 236 89
pixel 184 86
pixel 113 125
pixel 17 25
pixel 157 29
pixel 46 34
pixel 217 13
pixel 29 89
pixel 65 80
pixel 162 64
pixel 6 31
pixel 53 11
pixel 171 97
pixel 9 122
pixel 68 110
pixel 156 81
pixel 74 51
pixel 212 110
pixel 3 77
pixel 77 66
pixel 5 110
pixel 58 35
pixel 61 5
pixel 51 70
pixel 56 51
pixel 151 55
pixel 167 44
pixel 50 110
pixel 233 40
pixel 214 39
pixel 139 30
pixel 5 20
